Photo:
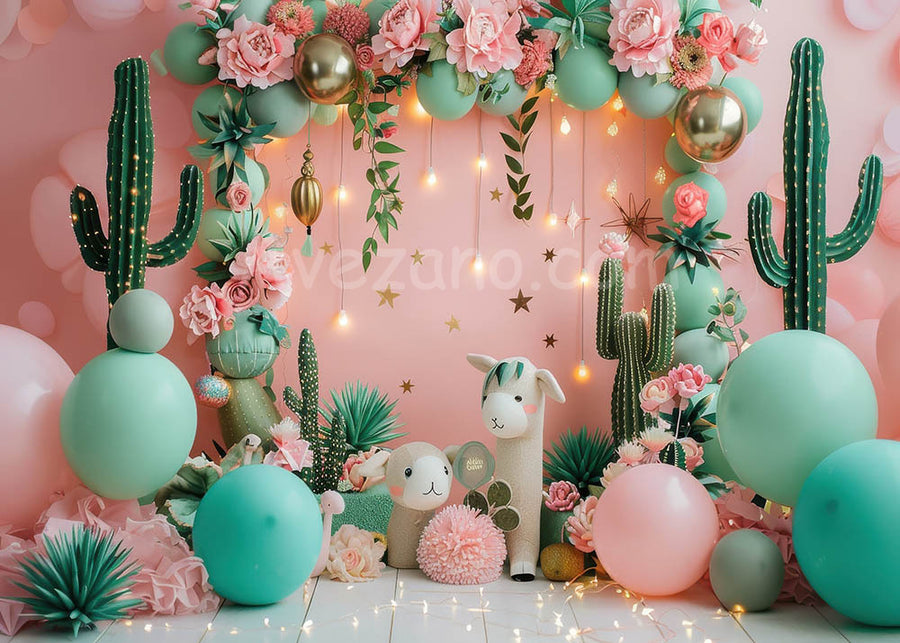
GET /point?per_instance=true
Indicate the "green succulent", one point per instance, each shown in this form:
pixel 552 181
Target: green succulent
pixel 235 234
pixel 699 246
pixel 80 580
pixel 367 416
pixel 579 458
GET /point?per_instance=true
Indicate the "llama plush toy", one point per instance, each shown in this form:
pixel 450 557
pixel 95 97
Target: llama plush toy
pixel 512 408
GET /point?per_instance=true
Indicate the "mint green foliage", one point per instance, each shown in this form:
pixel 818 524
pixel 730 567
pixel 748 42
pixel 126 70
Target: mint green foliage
pixel 179 498
pixel 569 21
pixel 125 253
pixel 624 336
pixel 802 272
pixel 79 581
pixel 237 232
pixel 503 372
pixel 579 458
pixel 729 313
pixel 700 246
pixel 368 415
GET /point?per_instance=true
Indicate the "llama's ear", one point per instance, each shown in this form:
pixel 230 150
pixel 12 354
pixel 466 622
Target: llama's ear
pixel 376 466
pixel 483 363
pixel 451 452
pixel 549 385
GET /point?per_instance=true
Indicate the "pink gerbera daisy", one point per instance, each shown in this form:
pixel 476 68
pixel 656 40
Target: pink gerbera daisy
pixel 291 17
pixel 691 65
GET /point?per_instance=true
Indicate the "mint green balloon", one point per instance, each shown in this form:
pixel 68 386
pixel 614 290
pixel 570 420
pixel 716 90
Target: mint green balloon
pixel 210 228
pixel 256 179
pixel 255 10
pixel 644 97
pixel 700 348
pixel 585 80
pixel 678 160
pixel 439 96
pixel 750 96
pixel 243 351
pixel 701 7
pixel 319 10
pixel 693 298
pixel 283 104
pixel 207 103
pixel 183 47
pixel 141 321
pixel 746 571
pixel 127 423
pixel 325 115
pixel 376 9
pixel 510 101
pixel 845 531
pixel 258 531
pixel 787 402
pixel 715 207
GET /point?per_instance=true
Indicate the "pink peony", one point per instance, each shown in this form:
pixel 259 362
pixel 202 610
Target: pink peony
pixel 749 41
pixel 688 380
pixel 461 546
pixel 354 556
pixel 562 496
pixel 203 9
pixel 690 204
pixel 536 57
pixel 204 308
pixel 631 453
pixel 487 42
pixel 291 451
pixel 347 21
pixel 238 196
pixel 254 54
pixel 351 472
pixel 614 245
pixel 641 34
pixel 693 453
pixel 716 35
pixel 242 293
pixel 655 393
pixel 291 17
pixel 400 31
pixel 691 66
pixel 267 268
pixel 579 527
pixel 365 57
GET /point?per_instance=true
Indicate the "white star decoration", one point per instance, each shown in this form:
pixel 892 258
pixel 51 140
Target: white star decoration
pixel 573 219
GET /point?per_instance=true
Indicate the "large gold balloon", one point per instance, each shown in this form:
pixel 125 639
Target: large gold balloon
pixel 710 124
pixel 306 194
pixel 324 68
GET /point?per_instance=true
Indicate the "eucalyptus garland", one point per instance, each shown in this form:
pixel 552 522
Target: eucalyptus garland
pixel 522 123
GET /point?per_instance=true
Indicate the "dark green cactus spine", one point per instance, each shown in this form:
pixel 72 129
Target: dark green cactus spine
pixel 125 253
pixel 625 337
pixel 802 274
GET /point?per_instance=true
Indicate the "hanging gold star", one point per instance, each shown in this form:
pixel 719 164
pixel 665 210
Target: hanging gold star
pixel 407 386
pixel 521 302
pixel 417 257
pixel 496 194
pixel 452 324
pixel 550 340
pixel 326 248
pixel 634 220
pixel 387 296
pixel 549 255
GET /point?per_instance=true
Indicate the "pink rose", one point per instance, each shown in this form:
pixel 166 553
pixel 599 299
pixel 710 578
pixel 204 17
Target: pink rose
pixel 365 57
pixel 656 393
pixel 487 42
pixel 400 31
pixel 688 380
pixel 690 204
pixel 203 9
pixel 749 41
pixel 614 245
pixel 203 309
pixel 242 293
pixel 254 54
pixel 351 472
pixel 716 34
pixel 579 525
pixel 562 496
pixel 693 453
pixel 354 555
pixel 238 196
pixel 641 33
pixel 267 268
pixel 535 62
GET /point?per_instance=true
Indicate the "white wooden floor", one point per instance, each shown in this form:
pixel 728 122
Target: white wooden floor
pixel 406 607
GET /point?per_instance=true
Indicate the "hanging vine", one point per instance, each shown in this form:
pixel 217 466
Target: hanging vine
pixel 522 123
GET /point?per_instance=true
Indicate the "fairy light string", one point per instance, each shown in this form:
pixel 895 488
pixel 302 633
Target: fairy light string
pixel 342 312
pixel 582 370
pixel 552 219
pixel 478 264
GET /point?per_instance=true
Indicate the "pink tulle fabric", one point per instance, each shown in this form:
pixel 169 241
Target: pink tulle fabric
pixel 461 546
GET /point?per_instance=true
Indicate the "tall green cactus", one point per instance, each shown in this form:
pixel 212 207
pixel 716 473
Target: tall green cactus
pixel 625 337
pixel 802 274
pixel 125 253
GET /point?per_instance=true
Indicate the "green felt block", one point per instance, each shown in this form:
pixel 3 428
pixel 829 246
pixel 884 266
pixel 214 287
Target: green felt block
pixel 370 510
pixel 553 526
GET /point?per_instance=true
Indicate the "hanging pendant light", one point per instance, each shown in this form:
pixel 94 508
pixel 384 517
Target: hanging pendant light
pixel 306 198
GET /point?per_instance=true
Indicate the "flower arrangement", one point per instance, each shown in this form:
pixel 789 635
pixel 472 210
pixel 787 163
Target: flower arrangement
pixel 351 478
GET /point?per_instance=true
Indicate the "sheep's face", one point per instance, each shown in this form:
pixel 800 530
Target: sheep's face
pixel 425 483
pixel 505 410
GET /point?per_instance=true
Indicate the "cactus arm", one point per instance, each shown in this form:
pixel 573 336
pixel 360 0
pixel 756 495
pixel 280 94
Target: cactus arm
pixel 176 244
pixel 851 239
pixel 610 294
pixel 661 345
pixel 771 267
pixel 92 242
pixel 292 401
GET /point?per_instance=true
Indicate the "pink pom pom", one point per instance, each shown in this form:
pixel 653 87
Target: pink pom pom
pixel 461 546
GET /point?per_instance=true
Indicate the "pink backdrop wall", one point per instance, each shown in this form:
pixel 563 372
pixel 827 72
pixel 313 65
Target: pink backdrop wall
pixel 56 103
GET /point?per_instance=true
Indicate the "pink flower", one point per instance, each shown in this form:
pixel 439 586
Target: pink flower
pixel 612 471
pixel 389 131
pixel 690 204
pixel 631 453
pixel 641 34
pixel 204 308
pixel 487 42
pixel 461 546
pixel 693 453
pixel 535 62
pixel 347 21
pixel 579 527
pixel 655 439
pixel 716 34
pixel 254 54
pixel 238 196
pixel 749 41
pixel 689 379
pixel 614 245
pixel 365 57
pixel 691 66
pixel 561 496
pixel 267 268
pixel 354 556
pixel 400 31
pixel 351 470
pixel 291 17
pixel 656 393
pixel 242 293
pixel 203 9
pixel 291 451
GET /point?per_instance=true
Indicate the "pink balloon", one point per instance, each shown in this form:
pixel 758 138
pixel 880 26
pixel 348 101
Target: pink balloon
pixel 869 15
pixel 35 317
pixel 860 290
pixel 39 21
pixel 887 345
pixel 655 528
pixel 891 129
pixel 108 14
pixel 9 11
pixel 888 221
pixel 839 318
pixel 33 381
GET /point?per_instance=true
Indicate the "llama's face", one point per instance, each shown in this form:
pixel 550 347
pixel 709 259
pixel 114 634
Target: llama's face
pixel 506 410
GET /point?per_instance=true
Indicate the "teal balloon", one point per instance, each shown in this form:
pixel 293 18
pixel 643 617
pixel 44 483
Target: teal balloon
pixel 700 348
pixel 585 80
pixel 507 103
pixel 786 403
pixel 748 93
pixel 678 160
pixel 242 351
pixel 183 47
pixel 325 115
pixel 439 96
pixel 319 10
pixel 376 9
pixel 255 10
pixel 715 207
pixel 698 8
pixel 258 531
pixel 746 571
pixel 256 179
pixel 211 222
pixel 127 423
pixel 644 97
pixel 598 30
pixel 845 531
pixel 283 104
pixel 208 103
pixel 693 298
pixel 141 321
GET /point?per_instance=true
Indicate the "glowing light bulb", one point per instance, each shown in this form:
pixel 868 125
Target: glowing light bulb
pixel 280 210
pixel 482 160
pixel 342 192
pixel 430 176
pixel 552 218
pixel 613 129
pixel 612 188
pixel 583 278
pixel 582 373
pixel 478 264
pixel 564 127
pixel 618 104
pixel 419 109
pixel 660 176
pixel 342 318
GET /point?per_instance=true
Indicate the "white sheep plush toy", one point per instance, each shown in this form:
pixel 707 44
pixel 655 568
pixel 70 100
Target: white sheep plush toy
pixel 418 476
pixel 512 408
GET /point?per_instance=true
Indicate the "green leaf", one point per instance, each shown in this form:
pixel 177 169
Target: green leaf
pixel 378 107
pixel 513 184
pixel 384 147
pixel 506 518
pixel 477 501
pixel 528 122
pixel 513 164
pixel 511 143
pixel 529 104
pixel 366 260
pixel 499 494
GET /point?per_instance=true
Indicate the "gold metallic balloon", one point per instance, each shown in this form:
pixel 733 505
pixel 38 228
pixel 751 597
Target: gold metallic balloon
pixel 710 124
pixel 306 194
pixel 325 68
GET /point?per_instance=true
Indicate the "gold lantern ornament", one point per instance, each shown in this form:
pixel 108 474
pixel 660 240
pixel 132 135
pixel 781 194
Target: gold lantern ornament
pixel 710 124
pixel 306 199
pixel 325 68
